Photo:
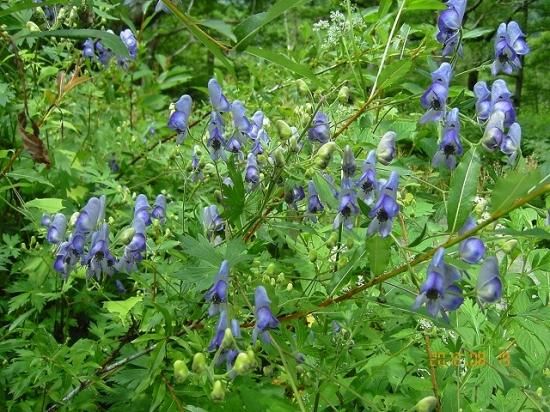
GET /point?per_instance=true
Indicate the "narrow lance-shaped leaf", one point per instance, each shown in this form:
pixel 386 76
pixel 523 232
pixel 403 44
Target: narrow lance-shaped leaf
pixel 511 187
pixel 463 188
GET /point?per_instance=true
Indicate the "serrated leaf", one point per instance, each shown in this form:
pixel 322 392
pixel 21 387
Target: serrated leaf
pixel 512 187
pixel 379 252
pixel 49 205
pixel 463 188
pixel 122 307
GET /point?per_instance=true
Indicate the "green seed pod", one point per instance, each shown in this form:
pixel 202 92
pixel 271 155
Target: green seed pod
pixel 312 255
pixel 283 129
pixel 242 363
pixel 302 87
pixel 181 372
pixel 427 404
pixel 199 363
pixel 218 391
pixel 343 95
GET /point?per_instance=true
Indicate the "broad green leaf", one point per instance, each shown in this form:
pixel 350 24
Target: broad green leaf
pixel 394 72
pixel 49 205
pixel 463 188
pixel 254 23
pixel 221 27
pixel 122 307
pixel 110 40
pixel 477 32
pixel 512 187
pixel 383 8
pixel 324 190
pixel 379 252
pixel 283 61
pixel 425 5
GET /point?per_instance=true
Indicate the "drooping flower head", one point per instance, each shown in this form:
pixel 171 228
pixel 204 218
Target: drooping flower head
pixel 448 24
pixel 159 209
pixel 252 174
pixel 217 99
pixel 450 146
pixel 57 229
pixel 439 292
pixel 510 44
pixel 386 208
pixel 489 284
pixel 216 141
pixel 314 204
pixel 510 144
pixel 367 183
pixel 130 42
pixel 264 317
pixel 99 259
pixel 386 149
pixel 483 100
pixel 494 131
pixel 501 99
pixel 217 294
pixel 435 98
pixel 320 128
pixel 179 119
pixel 88 49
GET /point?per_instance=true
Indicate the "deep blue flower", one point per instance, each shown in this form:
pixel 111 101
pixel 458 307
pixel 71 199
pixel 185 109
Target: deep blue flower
pixel 88 49
pixel 448 24
pixel 104 54
pixel 472 250
pixel 347 209
pixel 494 131
pixel 240 121
pixel 216 341
pixel 367 183
pixel 320 128
pixel 264 317
pixel 483 100
pixel 449 146
pixel 141 209
pixel 130 42
pixel 57 229
pixel 386 149
pixel 257 124
pixel 501 99
pixel 217 99
pixel 90 215
pixel 489 284
pixel 46 220
pixel 439 292
pixel 314 204
pixel 386 208
pixel 217 294
pixel 212 221
pixel 510 144
pixel 234 144
pixel 99 259
pixel 67 256
pixel 257 147
pixel 159 209
pixel 252 174
pixel 348 163
pixel 216 141
pixel 435 98
pixel 133 251
pixel 179 119
pixel 510 44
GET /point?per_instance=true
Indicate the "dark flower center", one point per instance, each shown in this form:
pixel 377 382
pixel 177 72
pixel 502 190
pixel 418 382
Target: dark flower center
pixel 435 104
pixel 99 256
pixel 432 294
pixel 346 211
pixel 216 144
pixel 382 216
pixel 367 186
pixel 449 150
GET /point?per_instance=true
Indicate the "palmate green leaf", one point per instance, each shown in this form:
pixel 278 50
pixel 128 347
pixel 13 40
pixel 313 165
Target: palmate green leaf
pixel 463 188
pixel 283 61
pixel 122 307
pixel 379 253
pixel 110 40
pixel 511 187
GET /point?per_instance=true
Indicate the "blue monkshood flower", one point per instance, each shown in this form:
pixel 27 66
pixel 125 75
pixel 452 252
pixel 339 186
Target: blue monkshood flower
pixel 212 221
pixel 57 229
pixel 234 144
pixel 435 98
pixel 133 251
pixel 348 163
pixel 489 284
pixel 179 119
pixel 510 44
pixel 256 125
pixel 367 183
pixel 510 144
pixel 314 204
pixel 494 131
pixel 88 49
pixel 294 195
pixel 99 259
pixel 159 209
pixel 216 141
pixel 90 215
pixel 217 99
pixel 141 209
pixel 439 292
pixel 448 24
pixel 161 7
pixel 46 220
pixel 217 294
pixel 104 54
pixel 501 99
pixel 320 128
pixel 240 121
pixel 386 207
pixel 252 174
pixel 67 256
pixel 471 249
pixel 130 42
pixel 347 209
pixel 386 149
pixel 483 101
pixel 264 317
pixel 257 147
pixel 449 146
pixel 216 341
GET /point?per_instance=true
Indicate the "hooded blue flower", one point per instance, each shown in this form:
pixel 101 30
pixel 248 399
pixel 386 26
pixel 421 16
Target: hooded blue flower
pixel 217 99
pixel 179 119
pixel 90 215
pixel 320 130
pixel 68 255
pixel 449 146
pixel 439 292
pixel 159 209
pixel 472 249
pixel 510 44
pixel 367 183
pixel 489 284
pixel 216 341
pixel 133 250
pixel 212 222
pixel 141 209
pixel 240 121
pixel 510 144
pixel 46 220
pixel 88 49
pixel 314 204
pixel 104 54
pixel 99 259
pixel 386 149
pixel 501 99
pixel 217 294
pixel 256 125
pixel 494 131
pixel 234 143
pixel 348 164
pixel 386 208
pixel 216 141
pixel 483 101
pixel 57 229
pixel 347 209
pixel 252 174
pixel 264 317
pixel 435 98
pixel 130 42
pixel 448 24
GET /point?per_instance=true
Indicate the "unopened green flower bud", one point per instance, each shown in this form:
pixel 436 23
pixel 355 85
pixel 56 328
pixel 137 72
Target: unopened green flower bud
pixel 283 129
pixel 289 287
pixel 32 26
pixel 242 363
pixel 218 391
pixel 539 392
pixel 350 243
pixel 270 269
pixel 293 145
pixel 218 196
pixel 33 241
pixel 278 158
pixel 281 277
pixel 23 246
pixel 181 372
pixel 228 340
pixel 251 357
pixel 342 262
pixel 343 95
pixel 509 245
pixel 302 87
pixel 209 170
pixel 127 235
pixel 312 255
pixel 332 240
pixel 427 404
pixel 324 155
pixel 199 363
pixel 272 281
pixel 267 370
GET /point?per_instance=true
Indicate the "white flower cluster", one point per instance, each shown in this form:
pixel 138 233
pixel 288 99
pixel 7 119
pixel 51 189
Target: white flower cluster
pixel 338 26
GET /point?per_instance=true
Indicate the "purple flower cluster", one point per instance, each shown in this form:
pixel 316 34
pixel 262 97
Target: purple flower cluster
pixel 510 45
pixel 435 98
pixel 449 146
pixel 449 23
pixel 92 49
